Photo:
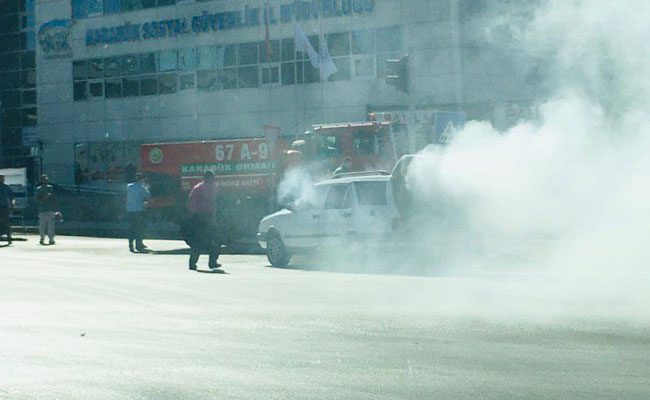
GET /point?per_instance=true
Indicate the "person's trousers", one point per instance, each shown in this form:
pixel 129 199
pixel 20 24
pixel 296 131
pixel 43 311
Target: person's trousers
pixel 213 254
pixel 5 222
pixel 46 225
pixel 135 221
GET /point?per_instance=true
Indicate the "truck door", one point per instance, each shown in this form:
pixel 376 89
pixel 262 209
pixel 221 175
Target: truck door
pixel 335 217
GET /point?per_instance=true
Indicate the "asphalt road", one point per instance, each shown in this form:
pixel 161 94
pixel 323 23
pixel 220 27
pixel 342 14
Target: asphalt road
pixel 84 319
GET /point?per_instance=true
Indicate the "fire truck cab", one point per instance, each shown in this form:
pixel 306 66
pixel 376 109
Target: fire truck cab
pixel 370 145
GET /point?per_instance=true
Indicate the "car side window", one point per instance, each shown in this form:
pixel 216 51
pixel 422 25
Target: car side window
pixel 336 197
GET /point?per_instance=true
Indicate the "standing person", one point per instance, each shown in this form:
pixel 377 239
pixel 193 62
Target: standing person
pixel 345 166
pixel 6 208
pixel 136 196
pixel 47 209
pixel 201 231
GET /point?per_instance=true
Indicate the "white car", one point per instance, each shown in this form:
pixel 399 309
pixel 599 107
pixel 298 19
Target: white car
pixel 355 207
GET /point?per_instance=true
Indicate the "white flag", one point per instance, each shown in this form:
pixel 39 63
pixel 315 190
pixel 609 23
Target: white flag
pixel 327 66
pixel 322 61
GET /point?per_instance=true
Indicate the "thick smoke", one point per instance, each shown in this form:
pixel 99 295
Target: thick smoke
pixel 570 189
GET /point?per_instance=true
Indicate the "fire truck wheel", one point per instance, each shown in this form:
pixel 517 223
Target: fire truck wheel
pixel 277 254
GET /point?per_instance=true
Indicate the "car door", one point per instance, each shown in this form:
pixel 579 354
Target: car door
pixel 302 229
pixel 372 216
pixel 335 217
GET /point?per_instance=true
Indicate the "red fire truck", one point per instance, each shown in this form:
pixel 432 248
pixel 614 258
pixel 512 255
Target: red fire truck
pixel 249 170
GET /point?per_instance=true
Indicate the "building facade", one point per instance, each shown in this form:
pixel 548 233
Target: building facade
pixel 18 112
pixel 116 73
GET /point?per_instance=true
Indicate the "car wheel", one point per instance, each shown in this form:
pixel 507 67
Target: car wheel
pixel 276 252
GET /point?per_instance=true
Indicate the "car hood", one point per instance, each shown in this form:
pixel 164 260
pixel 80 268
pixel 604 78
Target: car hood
pixel 273 218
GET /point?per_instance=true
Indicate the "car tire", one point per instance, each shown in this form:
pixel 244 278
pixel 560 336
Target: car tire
pixel 277 254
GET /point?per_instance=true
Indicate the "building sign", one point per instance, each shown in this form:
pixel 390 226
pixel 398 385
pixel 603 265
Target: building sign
pixel 287 13
pixel 54 38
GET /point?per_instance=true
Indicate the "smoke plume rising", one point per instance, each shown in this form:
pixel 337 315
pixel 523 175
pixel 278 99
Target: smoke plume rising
pixel 577 179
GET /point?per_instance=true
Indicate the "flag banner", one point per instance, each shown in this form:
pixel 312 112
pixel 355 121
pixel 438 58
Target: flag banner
pixel 322 61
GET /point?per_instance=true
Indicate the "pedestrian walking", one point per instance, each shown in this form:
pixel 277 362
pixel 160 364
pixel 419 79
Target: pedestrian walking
pixel 137 195
pixel 200 228
pixel 48 210
pixel 6 208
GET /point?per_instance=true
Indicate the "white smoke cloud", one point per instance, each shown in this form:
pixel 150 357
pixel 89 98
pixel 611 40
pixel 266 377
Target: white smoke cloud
pixel 577 178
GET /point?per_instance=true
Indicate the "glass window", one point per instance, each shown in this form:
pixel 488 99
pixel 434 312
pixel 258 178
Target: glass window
pixel 113 88
pixel 79 9
pixel 186 81
pixel 227 78
pixel 96 68
pixel 80 91
pixel 270 75
pixel 364 42
pixel 10 80
pixel 364 67
pixel 335 197
pixel 113 66
pixel 248 77
pixel 389 39
pixel 28 59
pixel 12 42
pixel 288 73
pixel 248 53
pixel 343 70
pixel 315 44
pixel 29 79
pixel 28 21
pixel 167 83
pixel 371 193
pixel 148 64
pixel 29 97
pixel 339 44
pixel 131 64
pixel 12 118
pixel 382 65
pixel 149 85
pixel 168 60
pixel 206 80
pixel 28 40
pixel 207 57
pixel 27 6
pixel 363 143
pixel 186 59
pixel 329 146
pixel 79 70
pixel 288 49
pixel 96 89
pixel 30 117
pixel 95 7
pixel 129 5
pixel 311 74
pixel 10 99
pixel 227 56
pixel 130 87
pixel 270 54
pixel 112 6
pixel 9 62
pixel 9 23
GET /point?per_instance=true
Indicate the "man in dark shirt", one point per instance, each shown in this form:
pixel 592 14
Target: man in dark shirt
pixel 47 209
pixel 6 207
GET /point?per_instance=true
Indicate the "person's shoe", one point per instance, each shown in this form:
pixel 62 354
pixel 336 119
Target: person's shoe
pixel 52 242
pixel 42 242
pixel 193 267
pixel 214 266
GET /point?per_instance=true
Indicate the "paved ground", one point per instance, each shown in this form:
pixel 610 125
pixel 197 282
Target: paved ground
pixel 87 320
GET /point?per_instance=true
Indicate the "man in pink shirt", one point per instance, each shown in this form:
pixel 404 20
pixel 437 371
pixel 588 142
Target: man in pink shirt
pixel 202 236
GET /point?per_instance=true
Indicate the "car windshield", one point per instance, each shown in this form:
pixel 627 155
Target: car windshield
pixel 371 193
